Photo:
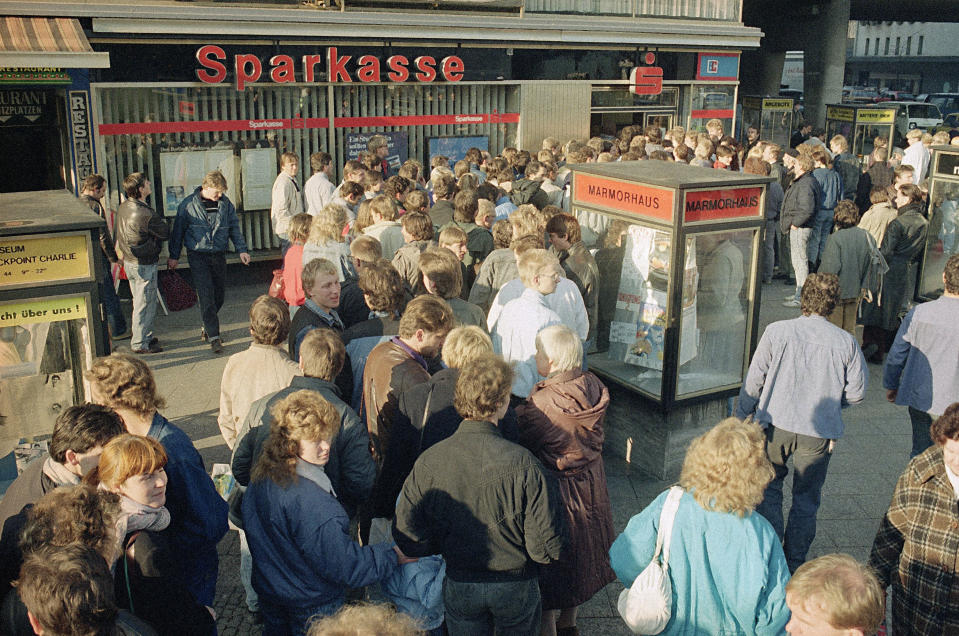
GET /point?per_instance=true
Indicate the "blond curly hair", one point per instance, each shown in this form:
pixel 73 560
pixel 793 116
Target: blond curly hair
pixel 726 469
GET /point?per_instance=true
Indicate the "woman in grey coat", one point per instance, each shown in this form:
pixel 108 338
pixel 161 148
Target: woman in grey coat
pixel 848 254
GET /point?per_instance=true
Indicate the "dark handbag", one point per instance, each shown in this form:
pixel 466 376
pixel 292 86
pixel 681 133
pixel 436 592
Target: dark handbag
pixel 277 287
pixel 235 503
pixel 176 291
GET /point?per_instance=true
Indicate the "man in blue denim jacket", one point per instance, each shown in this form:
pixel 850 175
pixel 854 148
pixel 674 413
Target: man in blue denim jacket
pixel 804 372
pixel 922 368
pixel 206 222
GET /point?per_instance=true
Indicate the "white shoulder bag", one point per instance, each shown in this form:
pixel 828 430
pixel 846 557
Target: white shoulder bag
pixel 647 604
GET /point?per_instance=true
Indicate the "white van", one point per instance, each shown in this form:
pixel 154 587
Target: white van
pixel 911 115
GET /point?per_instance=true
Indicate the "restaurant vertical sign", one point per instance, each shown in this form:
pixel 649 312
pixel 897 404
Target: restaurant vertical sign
pixel 81 135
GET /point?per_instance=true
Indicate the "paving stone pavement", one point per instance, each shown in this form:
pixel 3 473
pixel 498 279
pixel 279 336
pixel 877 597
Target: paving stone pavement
pixel 862 472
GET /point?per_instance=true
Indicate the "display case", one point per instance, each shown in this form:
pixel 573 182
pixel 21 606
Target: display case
pixel 51 321
pixel 942 237
pixel 860 125
pixel 678 252
pixel 771 116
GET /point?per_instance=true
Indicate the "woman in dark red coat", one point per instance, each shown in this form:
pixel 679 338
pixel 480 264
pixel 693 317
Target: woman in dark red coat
pixel 562 424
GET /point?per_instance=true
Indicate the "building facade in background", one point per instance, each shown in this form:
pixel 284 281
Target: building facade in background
pixel 914 57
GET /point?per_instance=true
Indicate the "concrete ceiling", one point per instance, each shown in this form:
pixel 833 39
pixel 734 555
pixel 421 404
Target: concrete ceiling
pixel 885 10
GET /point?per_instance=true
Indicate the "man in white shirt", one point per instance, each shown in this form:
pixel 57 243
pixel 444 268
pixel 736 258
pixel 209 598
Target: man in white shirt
pixel 566 301
pixel 286 200
pixel 318 188
pixel 514 330
pixel 917 156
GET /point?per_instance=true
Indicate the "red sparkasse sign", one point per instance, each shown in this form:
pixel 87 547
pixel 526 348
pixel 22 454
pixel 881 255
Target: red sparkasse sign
pixel 712 205
pixel 632 198
pixel 248 68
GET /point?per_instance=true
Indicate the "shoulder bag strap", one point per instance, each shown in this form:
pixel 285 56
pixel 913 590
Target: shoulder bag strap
pixel 666 518
pixel 126 569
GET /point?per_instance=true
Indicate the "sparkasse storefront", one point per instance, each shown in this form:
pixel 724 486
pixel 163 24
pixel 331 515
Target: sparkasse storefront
pixel 175 107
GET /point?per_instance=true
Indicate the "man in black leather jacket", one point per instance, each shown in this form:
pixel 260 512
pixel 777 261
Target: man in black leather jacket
pixel 140 234
pixel 800 203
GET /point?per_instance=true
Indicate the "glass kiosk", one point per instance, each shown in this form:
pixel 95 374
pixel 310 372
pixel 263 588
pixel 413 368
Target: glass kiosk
pixel 678 249
pixel 51 321
pixel 771 116
pixel 860 125
pixel 942 237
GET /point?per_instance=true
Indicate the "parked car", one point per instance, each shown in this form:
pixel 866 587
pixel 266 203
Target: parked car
pixel 947 102
pixel 859 96
pixel 886 95
pixel 949 122
pixel 791 93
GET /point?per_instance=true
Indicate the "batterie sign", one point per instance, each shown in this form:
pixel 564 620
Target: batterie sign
pixel 621 196
pixel 715 205
pixel 248 68
pixel 876 116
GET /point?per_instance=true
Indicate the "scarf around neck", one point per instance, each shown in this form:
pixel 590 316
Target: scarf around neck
pixel 59 473
pixel 136 516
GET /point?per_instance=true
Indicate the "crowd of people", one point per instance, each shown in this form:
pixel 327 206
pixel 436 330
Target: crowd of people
pixel 414 414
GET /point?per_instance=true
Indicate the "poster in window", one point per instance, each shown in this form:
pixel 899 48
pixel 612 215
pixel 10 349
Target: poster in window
pixel 637 333
pixel 259 172
pixel 181 172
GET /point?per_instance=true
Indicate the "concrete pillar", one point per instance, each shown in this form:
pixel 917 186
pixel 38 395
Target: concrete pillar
pixel 824 60
pixel 761 71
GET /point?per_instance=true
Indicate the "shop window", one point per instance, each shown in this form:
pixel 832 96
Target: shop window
pixel 176 134
pixel 635 268
pixel 711 101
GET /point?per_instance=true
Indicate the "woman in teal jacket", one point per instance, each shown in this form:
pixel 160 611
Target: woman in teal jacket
pixel 726 565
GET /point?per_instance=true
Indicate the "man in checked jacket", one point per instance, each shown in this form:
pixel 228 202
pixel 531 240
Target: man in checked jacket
pixel 917 547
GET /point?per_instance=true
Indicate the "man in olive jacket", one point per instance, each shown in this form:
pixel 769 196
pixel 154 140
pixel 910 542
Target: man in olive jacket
pixel 140 235
pixel 487 506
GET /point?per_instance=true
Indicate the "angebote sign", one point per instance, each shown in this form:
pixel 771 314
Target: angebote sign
pixel 248 68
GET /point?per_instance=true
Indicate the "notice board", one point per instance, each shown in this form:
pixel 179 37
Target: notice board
pixel 455 147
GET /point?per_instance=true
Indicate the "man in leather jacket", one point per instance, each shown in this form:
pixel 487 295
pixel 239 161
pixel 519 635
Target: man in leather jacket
pixel 140 234
pixel 91 193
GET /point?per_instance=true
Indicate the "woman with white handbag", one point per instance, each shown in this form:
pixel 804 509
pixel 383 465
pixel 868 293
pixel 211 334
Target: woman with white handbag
pixel 698 560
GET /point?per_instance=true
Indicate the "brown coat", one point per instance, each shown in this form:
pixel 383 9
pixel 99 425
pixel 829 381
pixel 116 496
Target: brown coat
pixel 389 371
pixel 562 424
pixel 917 549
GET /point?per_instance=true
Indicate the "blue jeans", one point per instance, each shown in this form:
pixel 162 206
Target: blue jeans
pixel 477 609
pixel 246 574
pixel 821 228
pixel 798 241
pixel 921 439
pixel 143 285
pixel 111 304
pixel 287 620
pixel 769 249
pixel 810 457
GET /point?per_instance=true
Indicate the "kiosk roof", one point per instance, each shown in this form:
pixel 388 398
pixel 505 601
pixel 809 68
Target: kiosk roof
pixel 669 174
pixel 44 211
